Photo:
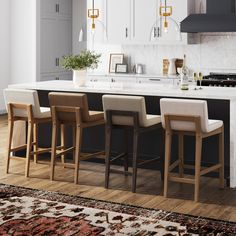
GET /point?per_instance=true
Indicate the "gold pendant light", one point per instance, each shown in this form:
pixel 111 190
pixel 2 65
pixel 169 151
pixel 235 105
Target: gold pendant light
pixel 165 11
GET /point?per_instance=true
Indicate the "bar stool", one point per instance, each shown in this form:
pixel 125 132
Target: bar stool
pixel 23 105
pixel 72 109
pixel 190 117
pixel 127 112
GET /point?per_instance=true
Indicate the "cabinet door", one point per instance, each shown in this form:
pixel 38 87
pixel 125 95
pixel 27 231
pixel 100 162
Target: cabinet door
pixel 48 45
pixel 49 8
pixel 49 77
pixel 119 21
pixel 144 18
pixel 64 41
pixel 65 8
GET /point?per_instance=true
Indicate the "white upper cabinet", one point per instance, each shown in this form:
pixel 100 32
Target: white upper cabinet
pixel 139 22
pixel 56 8
pixel 144 17
pixel 118 21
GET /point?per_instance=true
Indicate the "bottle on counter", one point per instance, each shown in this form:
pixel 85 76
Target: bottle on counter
pixel 184 76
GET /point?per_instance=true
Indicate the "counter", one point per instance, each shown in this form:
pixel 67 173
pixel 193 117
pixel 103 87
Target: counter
pixel 221 104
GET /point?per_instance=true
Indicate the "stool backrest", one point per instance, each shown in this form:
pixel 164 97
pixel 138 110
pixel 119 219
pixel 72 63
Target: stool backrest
pixel 73 100
pixel 24 97
pixel 125 103
pixel 185 107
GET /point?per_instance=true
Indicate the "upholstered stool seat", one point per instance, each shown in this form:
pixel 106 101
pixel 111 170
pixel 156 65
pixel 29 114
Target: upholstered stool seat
pixel 23 105
pixel 127 112
pixel 72 109
pixel 190 117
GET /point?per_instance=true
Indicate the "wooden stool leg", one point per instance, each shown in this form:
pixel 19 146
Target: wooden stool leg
pixel 168 141
pixel 126 157
pixel 63 143
pixel 181 154
pixel 54 148
pixel 29 147
pixel 135 160
pixel 10 136
pixel 162 153
pixel 35 142
pixel 74 141
pixel 108 154
pixel 221 158
pixel 198 156
pixel 79 134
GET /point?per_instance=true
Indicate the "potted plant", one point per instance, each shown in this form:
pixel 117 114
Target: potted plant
pixel 79 65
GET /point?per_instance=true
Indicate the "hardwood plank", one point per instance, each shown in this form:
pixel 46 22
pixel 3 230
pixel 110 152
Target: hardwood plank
pixel 214 202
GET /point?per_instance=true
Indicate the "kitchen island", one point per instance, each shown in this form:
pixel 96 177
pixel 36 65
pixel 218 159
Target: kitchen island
pixel 221 104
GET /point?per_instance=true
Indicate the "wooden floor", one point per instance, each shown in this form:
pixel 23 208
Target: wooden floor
pixel 215 203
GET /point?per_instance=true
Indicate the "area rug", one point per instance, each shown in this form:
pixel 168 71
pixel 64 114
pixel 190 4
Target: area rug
pixel 26 212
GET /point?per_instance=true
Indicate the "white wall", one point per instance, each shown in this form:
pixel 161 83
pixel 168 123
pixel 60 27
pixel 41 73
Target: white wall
pixel 4 49
pixel 23 41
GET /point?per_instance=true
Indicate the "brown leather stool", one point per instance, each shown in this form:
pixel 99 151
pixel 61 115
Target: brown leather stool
pixel 72 109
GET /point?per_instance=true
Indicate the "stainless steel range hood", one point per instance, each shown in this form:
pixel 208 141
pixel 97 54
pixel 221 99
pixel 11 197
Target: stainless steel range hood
pixel 220 17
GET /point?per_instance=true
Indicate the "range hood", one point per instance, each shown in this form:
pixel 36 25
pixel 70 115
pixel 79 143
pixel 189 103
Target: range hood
pixel 220 17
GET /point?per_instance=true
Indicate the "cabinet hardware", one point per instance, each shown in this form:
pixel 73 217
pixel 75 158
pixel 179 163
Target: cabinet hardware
pixel 57 8
pixel 126 32
pixel 155 32
pixel 57 61
pixel 158 32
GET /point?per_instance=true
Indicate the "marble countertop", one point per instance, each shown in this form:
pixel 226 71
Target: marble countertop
pixel 145 89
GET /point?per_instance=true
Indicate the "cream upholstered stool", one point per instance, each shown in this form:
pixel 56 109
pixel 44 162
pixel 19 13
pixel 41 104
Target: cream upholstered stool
pixel 72 109
pixel 127 112
pixel 23 105
pixel 190 117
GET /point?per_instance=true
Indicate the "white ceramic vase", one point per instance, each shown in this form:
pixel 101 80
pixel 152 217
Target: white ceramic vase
pixel 172 68
pixel 79 78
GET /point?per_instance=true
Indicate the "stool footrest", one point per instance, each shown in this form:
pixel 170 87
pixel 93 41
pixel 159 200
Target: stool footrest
pixel 85 156
pixel 142 162
pixel 181 180
pixel 175 164
pixel 210 169
pixel 65 151
pixel 41 151
pixel 118 156
pixel 18 148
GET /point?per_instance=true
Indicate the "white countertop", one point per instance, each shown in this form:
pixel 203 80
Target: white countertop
pixel 153 89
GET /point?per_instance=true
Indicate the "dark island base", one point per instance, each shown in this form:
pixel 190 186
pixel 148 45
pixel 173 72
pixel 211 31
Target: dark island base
pixel 150 143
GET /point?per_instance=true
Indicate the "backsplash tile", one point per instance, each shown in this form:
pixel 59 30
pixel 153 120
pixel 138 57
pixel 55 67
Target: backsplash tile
pixel 216 52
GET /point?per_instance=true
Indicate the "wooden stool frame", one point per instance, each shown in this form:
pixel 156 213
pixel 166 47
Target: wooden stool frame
pixel 199 136
pixel 77 144
pixel 137 130
pixel 32 134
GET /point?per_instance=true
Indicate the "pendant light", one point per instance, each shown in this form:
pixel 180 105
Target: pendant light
pixel 164 23
pixel 92 23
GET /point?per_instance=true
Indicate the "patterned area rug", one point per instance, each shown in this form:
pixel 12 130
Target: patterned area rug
pixel 32 212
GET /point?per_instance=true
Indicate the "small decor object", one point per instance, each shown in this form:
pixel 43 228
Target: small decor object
pixel 165 66
pixel 116 58
pixel 121 68
pixel 172 67
pixel 178 64
pixel 79 65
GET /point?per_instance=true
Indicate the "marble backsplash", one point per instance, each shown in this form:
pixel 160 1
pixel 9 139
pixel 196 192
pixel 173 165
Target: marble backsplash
pixel 216 52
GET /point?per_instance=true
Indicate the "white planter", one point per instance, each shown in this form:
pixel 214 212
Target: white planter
pixel 79 78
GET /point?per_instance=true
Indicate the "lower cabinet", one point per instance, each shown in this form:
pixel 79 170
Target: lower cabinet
pixel 56 76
